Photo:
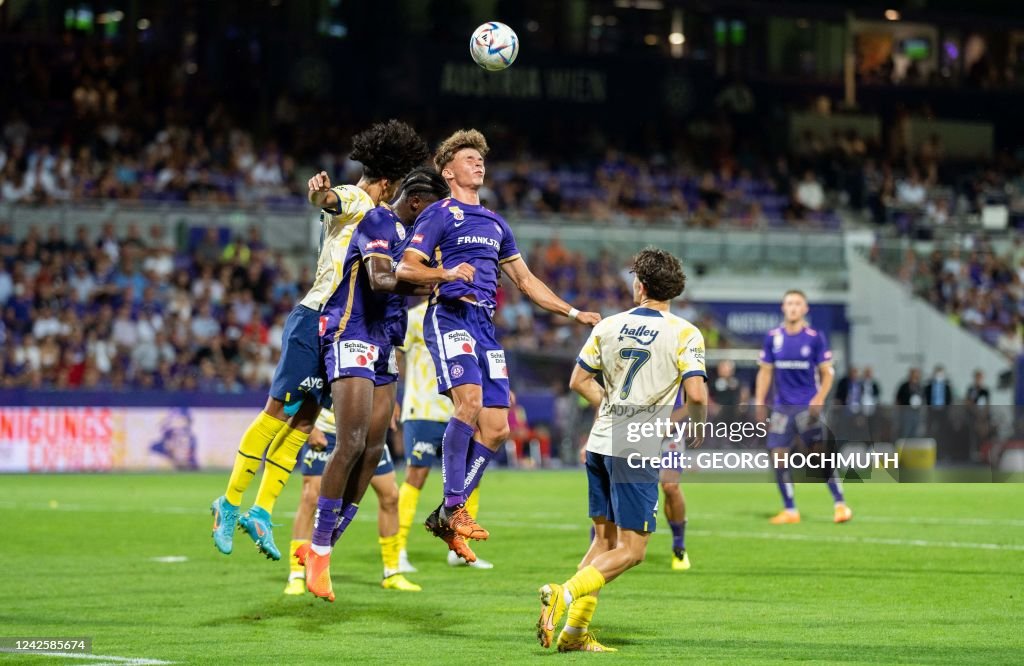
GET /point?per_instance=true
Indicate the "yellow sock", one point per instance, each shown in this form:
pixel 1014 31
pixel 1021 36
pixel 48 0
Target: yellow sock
pixel 408 498
pixel 586 581
pixel 473 503
pixel 581 612
pixel 255 441
pixel 389 553
pixel 293 562
pixel 280 462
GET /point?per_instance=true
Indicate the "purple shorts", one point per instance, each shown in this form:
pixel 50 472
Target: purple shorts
pixel 788 422
pixel 460 337
pixel 359 358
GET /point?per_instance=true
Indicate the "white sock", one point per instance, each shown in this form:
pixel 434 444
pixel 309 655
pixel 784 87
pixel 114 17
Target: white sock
pixel 388 573
pixel 567 595
pixel 296 574
pixel 573 631
pixel 321 550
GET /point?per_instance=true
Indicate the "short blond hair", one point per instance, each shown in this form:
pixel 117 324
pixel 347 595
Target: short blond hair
pixel 465 138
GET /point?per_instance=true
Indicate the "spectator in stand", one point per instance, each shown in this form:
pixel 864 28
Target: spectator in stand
pixel 978 393
pixel 910 400
pixel 809 194
pixel 728 393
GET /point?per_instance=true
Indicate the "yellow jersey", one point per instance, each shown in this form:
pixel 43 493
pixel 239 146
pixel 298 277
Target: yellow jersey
pixel 420 400
pixel 335 234
pixel 643 355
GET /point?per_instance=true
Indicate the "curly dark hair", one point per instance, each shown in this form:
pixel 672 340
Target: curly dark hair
pixel 660 273
pixel 389 150
pixel 424 180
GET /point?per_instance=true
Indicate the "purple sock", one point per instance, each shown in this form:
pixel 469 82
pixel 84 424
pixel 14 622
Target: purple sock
pixel 678 535
pixel 455 449
pixel 836 487
pixel 348 512
pixel 328 512
pixel 785 482
pixel 476 463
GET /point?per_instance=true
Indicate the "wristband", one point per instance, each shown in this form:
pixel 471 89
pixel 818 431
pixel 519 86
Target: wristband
pixel 573 313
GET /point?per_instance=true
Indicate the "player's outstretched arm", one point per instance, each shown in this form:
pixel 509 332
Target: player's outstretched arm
pixel 539 293
pixel 696 405
pixel 585 384
pixel 320 193
pixel 413 268
pixel 761 386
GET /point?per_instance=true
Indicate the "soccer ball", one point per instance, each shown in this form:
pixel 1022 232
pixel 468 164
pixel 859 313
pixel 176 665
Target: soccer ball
pixel 494 46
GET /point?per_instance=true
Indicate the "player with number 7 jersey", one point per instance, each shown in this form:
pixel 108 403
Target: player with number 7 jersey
pixel 643 354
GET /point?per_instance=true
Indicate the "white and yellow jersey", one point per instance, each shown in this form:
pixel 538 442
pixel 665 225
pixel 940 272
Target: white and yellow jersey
pixel 335 234
pixel 643 355
pixel 420 400
pixel 325 422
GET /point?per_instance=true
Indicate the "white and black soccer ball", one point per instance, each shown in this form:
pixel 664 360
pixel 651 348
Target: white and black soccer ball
pixel 494 46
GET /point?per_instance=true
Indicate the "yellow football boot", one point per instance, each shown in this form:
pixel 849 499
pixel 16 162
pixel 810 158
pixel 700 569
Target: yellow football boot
pixel 680 563
pixel 400 583
pixel 552 609
pixel 296 587
pixel 582 643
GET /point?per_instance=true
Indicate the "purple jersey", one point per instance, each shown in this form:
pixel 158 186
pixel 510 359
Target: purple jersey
pixel 449 233
pixel 355 311
pixel 795 359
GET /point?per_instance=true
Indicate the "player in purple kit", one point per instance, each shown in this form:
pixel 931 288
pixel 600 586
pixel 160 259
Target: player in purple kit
pixel 458 326
pixel 797 358
pixel 362 323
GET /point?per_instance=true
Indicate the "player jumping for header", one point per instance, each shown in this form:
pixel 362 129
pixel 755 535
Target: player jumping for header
pixel 388 151
pixel 459 327
pixel 363 322
pixel 797 358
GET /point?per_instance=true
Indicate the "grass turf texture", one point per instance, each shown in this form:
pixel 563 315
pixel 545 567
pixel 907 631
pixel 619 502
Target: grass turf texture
pixel 908 581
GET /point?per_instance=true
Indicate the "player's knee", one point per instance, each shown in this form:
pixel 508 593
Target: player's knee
pixel 498 436
pixel 310 491
pixel 670 489
pixel 469 408
pixel 388 499
pixel 637 555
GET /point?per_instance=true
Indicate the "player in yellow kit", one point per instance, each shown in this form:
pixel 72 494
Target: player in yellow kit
pixel 425 415
pixel 388 152
pixel 643 354
pixel 312 461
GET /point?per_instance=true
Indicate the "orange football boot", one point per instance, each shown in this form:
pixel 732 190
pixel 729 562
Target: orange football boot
pixel 786 517
pixel 842 514
pixel 460 522
pixel 318 575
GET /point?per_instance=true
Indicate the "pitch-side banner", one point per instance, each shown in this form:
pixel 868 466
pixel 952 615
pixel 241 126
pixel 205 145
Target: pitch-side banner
pixel 100 439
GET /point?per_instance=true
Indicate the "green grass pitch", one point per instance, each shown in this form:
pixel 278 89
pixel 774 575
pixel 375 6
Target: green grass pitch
pixel 925 574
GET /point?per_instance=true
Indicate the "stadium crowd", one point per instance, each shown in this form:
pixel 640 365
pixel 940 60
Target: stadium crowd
pixel 977 288
pixel 134 311
pixel 107 133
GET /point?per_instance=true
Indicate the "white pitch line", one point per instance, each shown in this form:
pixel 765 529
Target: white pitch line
pixel 98 659
pixel 860 518
pixel 791 536
pixel 774 536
